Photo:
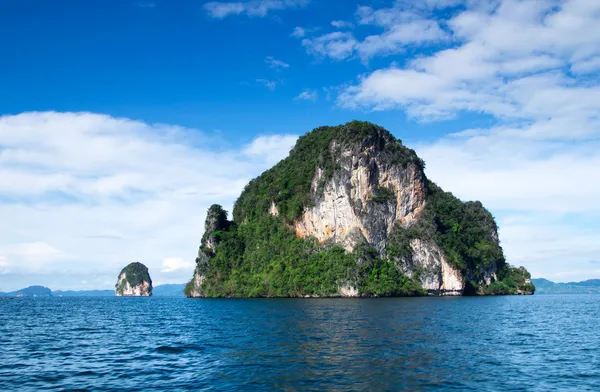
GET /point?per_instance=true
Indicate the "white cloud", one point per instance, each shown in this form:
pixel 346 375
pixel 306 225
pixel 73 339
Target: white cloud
pixel 301 32
pixel 172 264
pixel 586 66
pixel 272 148
pixel 298 32
pixel 401 25
pixel 337 45
pixel 85 194
pixel 536 166
pixel 252 8
pixel 308 95
pixel 544 195
pixel 39 252
pixel 342 24
pixel 493 69
pixel 270 84
pixel 3 265
pixel 275 64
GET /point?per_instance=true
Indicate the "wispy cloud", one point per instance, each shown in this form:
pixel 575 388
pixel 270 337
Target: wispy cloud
pixel 252 8
pixel 301 32
pixel 342 24
pixel 337 45
pixel 270 84
pixel 275 64
pixel 402 26
pixel 308 95
pixel 298 32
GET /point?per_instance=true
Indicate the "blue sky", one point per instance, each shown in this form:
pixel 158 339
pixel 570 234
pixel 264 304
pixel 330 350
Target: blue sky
pixel 122 121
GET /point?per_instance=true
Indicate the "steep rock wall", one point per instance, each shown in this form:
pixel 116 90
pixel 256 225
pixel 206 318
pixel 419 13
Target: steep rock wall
pixel 363 200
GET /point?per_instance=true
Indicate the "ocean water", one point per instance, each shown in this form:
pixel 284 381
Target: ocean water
pixel 531 343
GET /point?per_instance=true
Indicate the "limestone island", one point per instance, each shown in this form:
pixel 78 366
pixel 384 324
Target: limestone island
pixel 351 213
pixel 134 281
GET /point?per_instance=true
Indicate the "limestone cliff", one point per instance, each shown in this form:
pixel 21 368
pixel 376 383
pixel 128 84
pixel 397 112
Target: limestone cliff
pixel 358 189
pixel 216 221
pixel 134 281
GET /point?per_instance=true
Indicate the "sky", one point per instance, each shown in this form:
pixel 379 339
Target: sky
pixel 121 122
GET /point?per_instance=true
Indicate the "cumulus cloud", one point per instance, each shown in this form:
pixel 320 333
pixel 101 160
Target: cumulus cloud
pixel 531 66
pixel 401 26
pixel 172 264
pixel 494 70
pixel 271 148
pixel 337 45
pixel 252 8
pixel 308 95
pixel 85 194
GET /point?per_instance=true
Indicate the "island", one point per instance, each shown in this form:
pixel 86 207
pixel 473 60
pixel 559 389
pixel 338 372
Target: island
pixel 134 281
pixel 351 213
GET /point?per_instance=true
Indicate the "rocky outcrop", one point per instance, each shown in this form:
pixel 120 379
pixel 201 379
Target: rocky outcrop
pixel 364 200
pixel 216 220
pixel 357 187
pixel 134 281
pixel 432 269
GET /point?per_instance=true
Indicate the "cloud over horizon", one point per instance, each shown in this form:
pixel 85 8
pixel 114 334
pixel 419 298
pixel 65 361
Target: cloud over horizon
pixel 85 194
pixel 501 98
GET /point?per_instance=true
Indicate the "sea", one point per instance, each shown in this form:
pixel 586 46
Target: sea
pixel 503 343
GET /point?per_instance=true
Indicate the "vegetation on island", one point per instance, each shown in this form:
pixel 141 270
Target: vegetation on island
pixel 258 254
pixel 135 274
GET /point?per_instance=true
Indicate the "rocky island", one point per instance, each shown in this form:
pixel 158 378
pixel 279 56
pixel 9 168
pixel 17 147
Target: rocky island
pixel 351 213
pixel 134 281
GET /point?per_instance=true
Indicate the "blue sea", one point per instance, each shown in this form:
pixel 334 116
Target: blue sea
pixel 524 343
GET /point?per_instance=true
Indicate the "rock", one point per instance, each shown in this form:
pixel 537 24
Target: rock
pixel 216 220
pixel 134 281
pixel 355 187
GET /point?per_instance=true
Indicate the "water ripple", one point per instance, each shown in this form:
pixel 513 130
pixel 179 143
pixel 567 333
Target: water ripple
pixel 538 343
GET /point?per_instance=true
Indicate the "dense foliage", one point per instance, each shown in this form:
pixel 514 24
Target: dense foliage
pixel 259 255
pixel 288 183
pixel 513 281
pixel 263 258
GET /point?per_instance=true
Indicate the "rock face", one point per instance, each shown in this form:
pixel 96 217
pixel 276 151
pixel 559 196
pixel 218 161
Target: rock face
pixel 216 221
pixel 134 281
pixel 353 186
pixel 364 200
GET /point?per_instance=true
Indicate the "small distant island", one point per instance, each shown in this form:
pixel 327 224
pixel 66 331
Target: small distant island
pixel 351 213
pixel 134 281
